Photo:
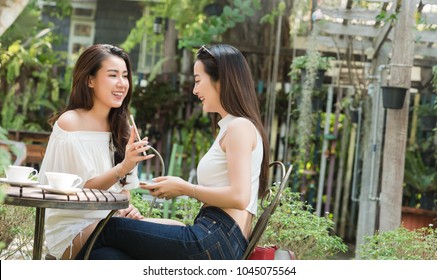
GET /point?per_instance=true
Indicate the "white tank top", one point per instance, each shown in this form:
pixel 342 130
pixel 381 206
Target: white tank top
pixel 212 170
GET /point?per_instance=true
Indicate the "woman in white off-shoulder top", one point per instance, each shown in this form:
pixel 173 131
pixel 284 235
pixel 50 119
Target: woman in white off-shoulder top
pixel 92 138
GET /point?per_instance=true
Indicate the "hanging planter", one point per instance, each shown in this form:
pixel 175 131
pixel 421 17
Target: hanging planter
pixel 354 116
pixel 393 97
pixel 302 63
pixel 318 81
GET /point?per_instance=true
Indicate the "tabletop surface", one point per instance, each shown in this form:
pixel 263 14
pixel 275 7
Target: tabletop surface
pixel 85 199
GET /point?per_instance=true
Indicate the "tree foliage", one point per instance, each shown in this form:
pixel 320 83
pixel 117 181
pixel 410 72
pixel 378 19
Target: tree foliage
pixel 29 82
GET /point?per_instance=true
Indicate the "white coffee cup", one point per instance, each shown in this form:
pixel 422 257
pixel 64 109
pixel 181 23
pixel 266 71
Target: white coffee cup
pixel 15 173
pixel 61 180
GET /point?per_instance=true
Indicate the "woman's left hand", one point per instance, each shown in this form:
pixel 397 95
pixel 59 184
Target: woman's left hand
pixel 166 187
pixel 131 212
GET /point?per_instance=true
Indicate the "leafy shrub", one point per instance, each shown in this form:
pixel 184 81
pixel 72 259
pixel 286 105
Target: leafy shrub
pixel 294 227
pixel 144 206
pixel 401 244
pixel 184 209
pixel 16 224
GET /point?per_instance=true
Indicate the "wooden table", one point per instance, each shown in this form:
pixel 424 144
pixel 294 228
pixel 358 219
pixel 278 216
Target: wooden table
pixel 86 199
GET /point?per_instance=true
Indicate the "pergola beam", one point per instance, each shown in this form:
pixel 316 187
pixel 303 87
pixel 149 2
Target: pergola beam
pixel 355 14
pixel 333 28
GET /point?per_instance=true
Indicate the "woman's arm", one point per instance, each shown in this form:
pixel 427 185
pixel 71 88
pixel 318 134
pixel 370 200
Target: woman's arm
pixel 74 121
pixel 239 142
pixel 133 155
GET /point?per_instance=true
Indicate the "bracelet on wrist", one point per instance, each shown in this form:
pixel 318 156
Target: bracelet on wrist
pixel 194 192
pixel 119 178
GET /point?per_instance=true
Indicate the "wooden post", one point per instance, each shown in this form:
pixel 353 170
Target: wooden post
pixel 397 120
pixel 372 149
pixel 170 40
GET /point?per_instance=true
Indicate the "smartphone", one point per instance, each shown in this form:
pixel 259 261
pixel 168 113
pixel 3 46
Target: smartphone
pixel 136 131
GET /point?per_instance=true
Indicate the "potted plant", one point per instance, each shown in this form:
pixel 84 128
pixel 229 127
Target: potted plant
pixel 301 64
pixel 421 179
pixel 294 227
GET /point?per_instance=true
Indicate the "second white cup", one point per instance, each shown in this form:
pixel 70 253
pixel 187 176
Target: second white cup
pixel 61 180
pixel 17 173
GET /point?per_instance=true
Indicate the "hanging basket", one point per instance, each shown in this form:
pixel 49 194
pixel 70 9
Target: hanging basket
pixel 318 82
pixel 393 97
pixel 354 116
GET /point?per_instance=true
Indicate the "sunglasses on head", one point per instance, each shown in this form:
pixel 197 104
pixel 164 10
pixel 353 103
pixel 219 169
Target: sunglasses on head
pixel 204 49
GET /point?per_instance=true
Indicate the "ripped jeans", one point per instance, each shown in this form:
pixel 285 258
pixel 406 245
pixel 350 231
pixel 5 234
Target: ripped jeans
pixel 214 235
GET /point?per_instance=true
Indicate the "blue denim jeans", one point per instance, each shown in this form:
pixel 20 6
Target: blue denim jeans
pixel 214 235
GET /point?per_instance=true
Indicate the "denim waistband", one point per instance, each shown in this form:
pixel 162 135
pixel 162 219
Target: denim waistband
pixel 217 214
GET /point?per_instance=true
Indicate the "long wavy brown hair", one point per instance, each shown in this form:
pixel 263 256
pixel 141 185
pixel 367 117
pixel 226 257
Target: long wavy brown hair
pixel 226 64
pixel 81 97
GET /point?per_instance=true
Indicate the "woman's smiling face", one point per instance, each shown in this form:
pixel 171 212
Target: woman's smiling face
pixel 207 90
pixel 111 83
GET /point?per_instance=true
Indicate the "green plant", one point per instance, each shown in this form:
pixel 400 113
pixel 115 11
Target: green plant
pixel 195 28
pixel 206 30
pixel 401 244
pixel 294 227
pixel 186 209
pixel 304 62
pixel 427 109
pixel 385 17
pixel 29 87
pixel 144 206
pixel 321 62
pixel 417 174
pixel 16 226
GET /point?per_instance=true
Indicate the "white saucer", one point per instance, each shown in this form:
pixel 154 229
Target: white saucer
pixel 59 191
pixel 27 183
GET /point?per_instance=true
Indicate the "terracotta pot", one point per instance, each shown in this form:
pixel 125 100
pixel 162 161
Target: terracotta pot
pixel 414 218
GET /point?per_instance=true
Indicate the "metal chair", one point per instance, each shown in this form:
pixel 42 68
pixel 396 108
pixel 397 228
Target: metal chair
pixel 263 220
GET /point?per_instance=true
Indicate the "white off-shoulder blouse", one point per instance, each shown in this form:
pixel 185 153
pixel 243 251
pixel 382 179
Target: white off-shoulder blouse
pixel 84 153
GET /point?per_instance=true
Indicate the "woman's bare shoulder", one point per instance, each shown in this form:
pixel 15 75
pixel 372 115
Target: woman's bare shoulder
pixel 242 128
pixel 71 121
pixel 241 123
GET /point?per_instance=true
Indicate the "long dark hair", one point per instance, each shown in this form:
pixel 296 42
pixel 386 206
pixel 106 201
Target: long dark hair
pixel 226 64
pixel 81 97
